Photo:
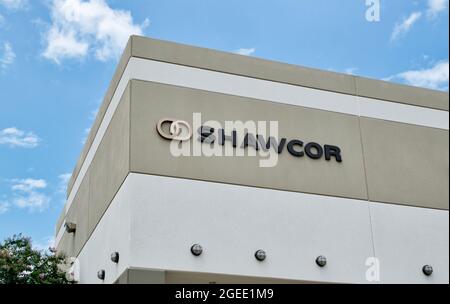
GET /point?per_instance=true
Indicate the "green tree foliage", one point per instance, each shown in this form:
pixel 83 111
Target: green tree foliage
pixel 21 264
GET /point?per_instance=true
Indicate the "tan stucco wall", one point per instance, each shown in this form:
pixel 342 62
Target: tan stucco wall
pixel 150 153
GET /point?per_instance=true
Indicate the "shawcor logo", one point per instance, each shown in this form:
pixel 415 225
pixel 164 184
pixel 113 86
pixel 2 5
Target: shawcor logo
pixel 238 138
pixel 178 129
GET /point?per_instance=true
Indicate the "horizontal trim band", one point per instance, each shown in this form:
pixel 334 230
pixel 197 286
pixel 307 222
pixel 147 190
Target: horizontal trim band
pixel 219 82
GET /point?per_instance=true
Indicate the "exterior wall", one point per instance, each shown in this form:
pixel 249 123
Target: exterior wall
pixel 212 60
pixel 154 220
pixel 113 233
pixel 101 113
pixel 233 222
pixel 395 152
pixel 390 150
pixel 406 164
pixel 101 181
pixel 151 102
pixel 251 88
pixel 285 73
pixel 405 237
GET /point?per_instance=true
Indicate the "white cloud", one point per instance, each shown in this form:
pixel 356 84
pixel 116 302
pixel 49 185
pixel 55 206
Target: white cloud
pixel 63 181
pixel 436 6
pixel 33 201
pixel 7 55
pixel 28 185
pixel 2 20
pixel 80 27
pixel 245 52
pixel 26 194
pixel 17 138
pixel 435 77
pixel 4 207
pixel 404 26
pixel 14 4
pixel 64 44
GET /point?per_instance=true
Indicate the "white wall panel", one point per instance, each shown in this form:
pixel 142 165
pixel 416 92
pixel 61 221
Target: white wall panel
pixel 406 239
pixel 154 220
pixel 232 222
pixel 111 234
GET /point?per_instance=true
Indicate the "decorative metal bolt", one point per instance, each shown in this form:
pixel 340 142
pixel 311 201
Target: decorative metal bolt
pixel 427 270
pixel 196 249
pixel 70 227
pixel 321 261
pixel 115 257
pixel 101 274
pixel 260 255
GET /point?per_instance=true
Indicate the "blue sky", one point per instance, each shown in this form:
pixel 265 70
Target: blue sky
pixel 58 56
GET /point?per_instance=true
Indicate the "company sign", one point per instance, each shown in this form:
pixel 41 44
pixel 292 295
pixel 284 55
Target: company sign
pixel 180 130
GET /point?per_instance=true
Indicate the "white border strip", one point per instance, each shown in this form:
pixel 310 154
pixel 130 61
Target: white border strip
pixel 414 115
pixel 195 78
pixel 173 74
pixel 219 82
